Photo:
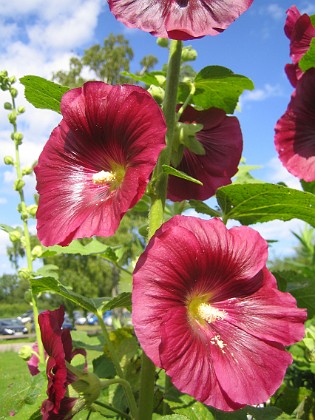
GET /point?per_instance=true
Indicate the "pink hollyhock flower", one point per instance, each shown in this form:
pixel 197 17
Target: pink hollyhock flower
pixel 222 140
pixel 300 30
pixel 58 345
pixel 181 19
pixel 97 162
pixel 207 310
pixel 295 130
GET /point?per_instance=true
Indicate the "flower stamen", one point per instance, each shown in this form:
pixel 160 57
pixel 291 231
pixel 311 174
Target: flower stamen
pixel 103 177
pixel 209 313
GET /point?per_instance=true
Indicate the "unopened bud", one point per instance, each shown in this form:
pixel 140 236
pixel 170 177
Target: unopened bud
pixel 24 215
pixel 12 79
pixel 189 54
pixel 32 209
pixel 37 252
pixel 15 235
pixel 12 117
pixel 18 137
pixel 8 160
pixel 14 92
pixel 28 294
pixel 87 385
pixel 160 78
pixel 27 171
pixel 21 109
pixel 157 93
pixel 19 184
pixel 26 352
pixel 3 74
pixel 162 42
pixel 7 105
pixel 24 274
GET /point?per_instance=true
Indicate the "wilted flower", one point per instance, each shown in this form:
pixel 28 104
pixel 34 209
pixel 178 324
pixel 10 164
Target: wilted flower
pixel 295 130
pixel 222 141
pixel 97 162
pixel 181 19
pixel 207 310
pixel 58 345
pixel 300 30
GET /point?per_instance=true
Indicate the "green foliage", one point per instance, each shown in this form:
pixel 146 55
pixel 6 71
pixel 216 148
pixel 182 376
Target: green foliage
pixel 308 59
pixel 254 203
pixel 42 93
pixel 179 174
pixel 219 87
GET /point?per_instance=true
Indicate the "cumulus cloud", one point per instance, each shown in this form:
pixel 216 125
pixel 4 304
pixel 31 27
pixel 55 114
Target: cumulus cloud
pixel 275 11
pixel 276 172
pixel 261 94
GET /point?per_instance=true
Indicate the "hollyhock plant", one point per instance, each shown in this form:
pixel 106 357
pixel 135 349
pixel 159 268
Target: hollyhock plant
pixel 97 162
pixel 58 345
pixel 207 310
pixel 221 138
pixel 179 20
pixel 300 30
pixel 295 130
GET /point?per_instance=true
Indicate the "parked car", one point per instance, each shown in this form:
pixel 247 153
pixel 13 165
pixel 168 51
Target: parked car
pixel 67 323
pixel 12 326
pixel 79 318
pixel 28 316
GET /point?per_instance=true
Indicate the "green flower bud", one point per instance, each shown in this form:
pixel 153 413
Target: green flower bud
pixel 14 92
pixel 12 117
pixel 12 79
pixel 87 385
pixel 157 93
pixel 28 294
pixel 21 109
pixel 24 274
pixel 189 54
pixel 7 106
pixel 160 78
pixel 26 352
pixel 32 209
pixel 15 235
pixel 8 160
pixel 24 215
pixel 18 137
pixel 37 252
pixel 19 184
pixel 3 74
pixel 27 171
pixel 162 42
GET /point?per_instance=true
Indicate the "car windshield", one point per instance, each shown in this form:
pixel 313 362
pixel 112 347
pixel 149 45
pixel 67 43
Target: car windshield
pixel 12 322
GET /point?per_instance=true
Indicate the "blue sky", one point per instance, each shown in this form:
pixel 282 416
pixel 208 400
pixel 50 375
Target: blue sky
pixel 39 37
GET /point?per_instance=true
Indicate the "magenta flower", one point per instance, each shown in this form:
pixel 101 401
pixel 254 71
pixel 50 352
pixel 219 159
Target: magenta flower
pixel 181 19
pixel 295 130
pixel 97 162
pixel 222 140
pixel 300 31
pixel 207 310
pixel 58 345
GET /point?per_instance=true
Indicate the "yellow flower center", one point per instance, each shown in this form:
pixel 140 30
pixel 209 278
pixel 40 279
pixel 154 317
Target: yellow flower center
pixel 113 178
pixel 201 311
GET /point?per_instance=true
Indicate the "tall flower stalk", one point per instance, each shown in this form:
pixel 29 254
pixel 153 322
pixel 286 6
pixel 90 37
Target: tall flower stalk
pixel 25 211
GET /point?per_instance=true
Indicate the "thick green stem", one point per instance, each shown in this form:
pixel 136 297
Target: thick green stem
pixel 156 216
pixel 27 239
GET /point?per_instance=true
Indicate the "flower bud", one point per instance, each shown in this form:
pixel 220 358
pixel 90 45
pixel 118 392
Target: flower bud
pixel 12 117
pixel 7 105
pixel 87 385
pixel 32 209
pixel 14 92
pixel 37 252
pixel 21 109
pixel 28 294
pixel 24 215
pixel 27 171
pixel 12 79
pixel 189 54
pixel 3 74
pixel 162 42
pixel 18 137
pixel 24 274
pixel 8 160
pixel 26 352
pixel 15 235
pixel 19 184
pixel 157 93
pixel 160 78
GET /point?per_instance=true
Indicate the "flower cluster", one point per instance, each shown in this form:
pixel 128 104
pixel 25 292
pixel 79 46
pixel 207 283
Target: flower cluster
pixel 295 130
pixel 207 310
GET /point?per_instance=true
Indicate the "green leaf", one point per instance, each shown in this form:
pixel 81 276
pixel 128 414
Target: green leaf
pixel 172 171
pixel 219 87
pixel 189 407
pixel 103 367
pixel 308 59
pixel 50 284
pixel 76 247
pixel 203 208
pixel 48 270
pixel 146 78
pixel 305 298
pixel 43 93
pixel 6 228
pixel 123 300
pixel 256 203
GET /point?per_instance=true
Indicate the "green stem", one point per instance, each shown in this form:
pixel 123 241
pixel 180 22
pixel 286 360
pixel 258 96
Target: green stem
pixel 129 394
pixel 27 244
pixel 115 410
pixel 156 215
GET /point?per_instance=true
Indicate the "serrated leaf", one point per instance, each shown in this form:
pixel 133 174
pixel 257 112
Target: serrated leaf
pixel 219 87
pixel 308 59
pixel 50 284
pixel 256 203
pixel 43 93
pixel 123 300
pixel 146 78
pixel 179 174
pixel 203 208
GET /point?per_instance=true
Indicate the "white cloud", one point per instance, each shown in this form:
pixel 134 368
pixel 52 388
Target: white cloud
pixel 276 172
pixel 262 94
pixel 275 11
